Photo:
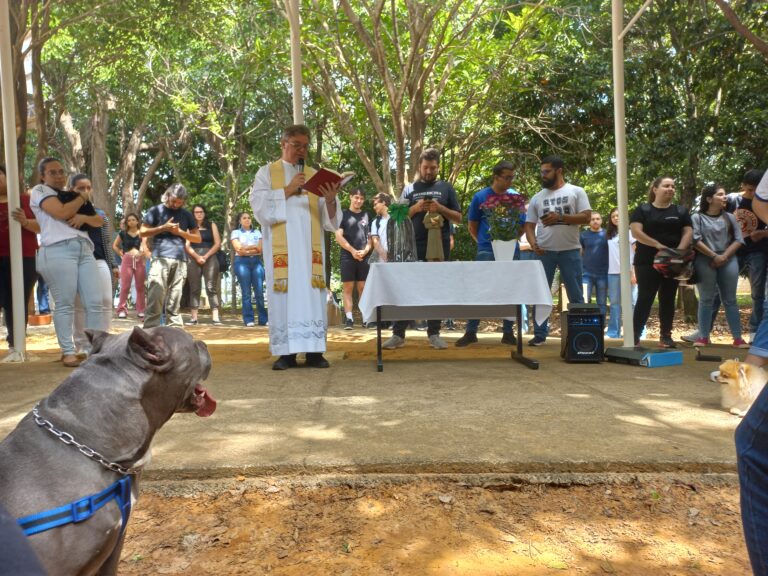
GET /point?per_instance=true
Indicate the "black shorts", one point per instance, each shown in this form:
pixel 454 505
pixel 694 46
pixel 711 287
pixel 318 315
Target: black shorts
pixel 353 270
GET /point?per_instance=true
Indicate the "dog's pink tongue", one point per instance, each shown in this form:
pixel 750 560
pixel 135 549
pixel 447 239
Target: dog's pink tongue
pixel 205 402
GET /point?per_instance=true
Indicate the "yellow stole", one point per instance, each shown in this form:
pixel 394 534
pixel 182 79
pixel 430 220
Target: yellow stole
pixel 280 236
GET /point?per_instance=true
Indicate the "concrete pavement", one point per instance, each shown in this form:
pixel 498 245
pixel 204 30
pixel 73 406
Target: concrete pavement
pixel 468 410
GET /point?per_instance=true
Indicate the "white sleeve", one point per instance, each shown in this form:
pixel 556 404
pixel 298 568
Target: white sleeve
pixel 762 189
pixel 268 204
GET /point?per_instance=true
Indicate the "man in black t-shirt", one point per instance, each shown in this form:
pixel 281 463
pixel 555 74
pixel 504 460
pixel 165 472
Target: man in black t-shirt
pixel 169 226
pixel 428 194
pixel 353 237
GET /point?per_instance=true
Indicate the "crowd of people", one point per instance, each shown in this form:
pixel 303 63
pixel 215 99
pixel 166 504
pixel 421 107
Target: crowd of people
pixel 67 249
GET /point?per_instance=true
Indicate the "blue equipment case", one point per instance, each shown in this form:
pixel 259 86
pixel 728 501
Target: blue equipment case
pixel 645 358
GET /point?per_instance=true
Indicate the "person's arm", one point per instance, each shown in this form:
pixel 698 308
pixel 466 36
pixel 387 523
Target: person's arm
pixel 79 220
pixel 117 246
pixel 643 238
pixel 686 239
pixel 473 226
pixel 344 243
pixel 52 206
pixel 330 193
pixel 192 235
pixel 555 217
pixel 216 241
pixel 447 213
pixel 26 222
pixel 192 254
pixel 530 235
pixel 149 231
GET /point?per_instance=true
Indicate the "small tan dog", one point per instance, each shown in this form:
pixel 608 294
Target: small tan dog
pixel 740 385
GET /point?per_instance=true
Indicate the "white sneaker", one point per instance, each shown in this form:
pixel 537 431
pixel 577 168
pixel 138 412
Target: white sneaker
pixel 13 356
pixel 691 337
pixel 250 325
pixel 436 342
pixel 394 342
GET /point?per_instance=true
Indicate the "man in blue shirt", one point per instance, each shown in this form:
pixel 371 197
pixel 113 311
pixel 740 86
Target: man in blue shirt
pixel 478 227
pixel 594 261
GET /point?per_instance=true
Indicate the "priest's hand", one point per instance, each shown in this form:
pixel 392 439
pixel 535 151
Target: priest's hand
pixel 329 192
pixel 294 186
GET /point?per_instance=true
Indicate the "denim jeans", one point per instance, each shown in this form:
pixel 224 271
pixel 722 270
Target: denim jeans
pixel 250 275
pixel 70 270
pixel 711 279
pixel 614 295
pixel 569 263
pixel 757 264
pixel 472 325
pixel 598 282
pixel 106 290
pixel 43 307
pixel 752 461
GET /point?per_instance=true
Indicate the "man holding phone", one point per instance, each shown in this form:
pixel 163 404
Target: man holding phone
pixel 428 194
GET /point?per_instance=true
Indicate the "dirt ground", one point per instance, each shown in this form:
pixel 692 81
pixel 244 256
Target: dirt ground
pixel 647 527
pixel 423 526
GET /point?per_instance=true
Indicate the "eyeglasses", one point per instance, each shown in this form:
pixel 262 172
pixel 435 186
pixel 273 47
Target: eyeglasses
pixel 199 212
pixel 299 145
pixel 59 172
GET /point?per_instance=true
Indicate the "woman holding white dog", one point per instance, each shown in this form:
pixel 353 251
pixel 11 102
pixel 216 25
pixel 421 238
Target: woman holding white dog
pixel 716 237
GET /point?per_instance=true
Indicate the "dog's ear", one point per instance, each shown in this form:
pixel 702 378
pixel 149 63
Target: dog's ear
pixel 97 339
pixel 151 348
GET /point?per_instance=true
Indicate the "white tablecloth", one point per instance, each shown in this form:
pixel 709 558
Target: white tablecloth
pixel 435 290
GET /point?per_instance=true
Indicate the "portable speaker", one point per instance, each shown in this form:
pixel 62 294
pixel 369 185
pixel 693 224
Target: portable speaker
pixel 582 336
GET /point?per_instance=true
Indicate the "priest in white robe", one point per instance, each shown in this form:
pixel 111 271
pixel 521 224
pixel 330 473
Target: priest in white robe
pixel 293 224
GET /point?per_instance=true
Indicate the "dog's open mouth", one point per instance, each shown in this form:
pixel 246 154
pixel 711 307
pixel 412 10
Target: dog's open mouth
pixel 203 402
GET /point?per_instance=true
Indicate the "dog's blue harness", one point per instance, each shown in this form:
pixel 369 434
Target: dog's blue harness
pixel 82 509
pixel 86 507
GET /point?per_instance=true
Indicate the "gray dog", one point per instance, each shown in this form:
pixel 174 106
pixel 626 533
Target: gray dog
pixel 108 410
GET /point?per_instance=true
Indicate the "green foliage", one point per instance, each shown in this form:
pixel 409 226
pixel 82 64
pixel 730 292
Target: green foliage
pixel 209 80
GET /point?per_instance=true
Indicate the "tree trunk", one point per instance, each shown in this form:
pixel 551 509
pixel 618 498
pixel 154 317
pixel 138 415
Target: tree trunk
pixel 99 130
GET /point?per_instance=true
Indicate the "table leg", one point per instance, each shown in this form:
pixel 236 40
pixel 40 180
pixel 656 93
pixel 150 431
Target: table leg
pixel 379 362
pixel 518 354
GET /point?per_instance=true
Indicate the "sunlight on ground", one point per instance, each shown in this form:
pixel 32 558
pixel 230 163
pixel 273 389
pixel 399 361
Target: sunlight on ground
pixel 319 433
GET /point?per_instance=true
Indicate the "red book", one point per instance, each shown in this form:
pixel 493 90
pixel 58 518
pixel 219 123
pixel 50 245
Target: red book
pixel 325 176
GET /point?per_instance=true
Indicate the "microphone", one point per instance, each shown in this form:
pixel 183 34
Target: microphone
pixel 300 164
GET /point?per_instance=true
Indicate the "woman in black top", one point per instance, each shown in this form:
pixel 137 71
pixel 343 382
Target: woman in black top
pixel 128 245
pixel 658 224
pixel 204 263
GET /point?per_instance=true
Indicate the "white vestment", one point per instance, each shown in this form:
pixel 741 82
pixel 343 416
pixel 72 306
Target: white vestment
pixel 298 318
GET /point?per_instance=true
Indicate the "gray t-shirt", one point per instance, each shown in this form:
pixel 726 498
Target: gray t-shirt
pixel 717 232
pixel 566 200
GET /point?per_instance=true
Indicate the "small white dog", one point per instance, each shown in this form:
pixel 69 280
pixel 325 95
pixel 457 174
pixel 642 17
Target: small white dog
pixel 740 385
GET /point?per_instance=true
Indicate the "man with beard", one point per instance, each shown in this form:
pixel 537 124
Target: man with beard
pixel 561 208
pixel 293 222
pixel 428 195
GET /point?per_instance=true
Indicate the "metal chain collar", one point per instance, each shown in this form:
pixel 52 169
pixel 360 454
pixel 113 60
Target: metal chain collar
pixel 89 452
